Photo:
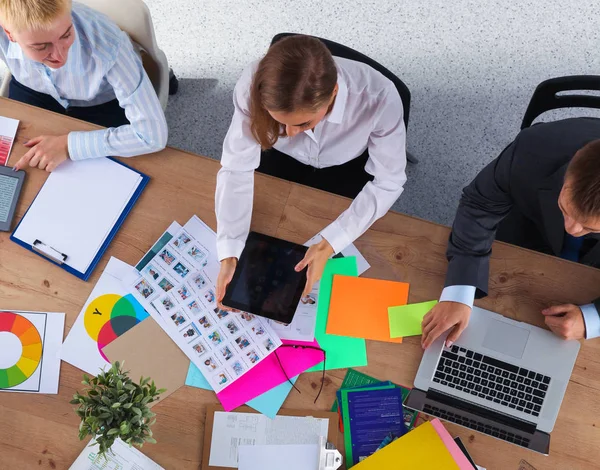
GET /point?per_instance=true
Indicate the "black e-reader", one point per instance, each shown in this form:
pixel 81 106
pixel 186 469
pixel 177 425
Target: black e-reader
pixel 265 282
pixel 11 183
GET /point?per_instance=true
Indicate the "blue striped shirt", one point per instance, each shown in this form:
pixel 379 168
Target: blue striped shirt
pixel 102 65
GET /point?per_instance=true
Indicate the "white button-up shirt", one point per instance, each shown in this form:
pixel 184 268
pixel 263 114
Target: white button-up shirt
pixel 102 65
pixel 367 113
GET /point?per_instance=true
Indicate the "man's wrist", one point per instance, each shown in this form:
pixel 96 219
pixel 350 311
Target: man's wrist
pixel 325 247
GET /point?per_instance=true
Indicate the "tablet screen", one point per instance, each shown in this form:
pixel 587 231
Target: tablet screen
pixel 265 282
pixel 8 187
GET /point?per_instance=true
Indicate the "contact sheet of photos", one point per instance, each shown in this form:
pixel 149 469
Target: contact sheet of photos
pixel 177 281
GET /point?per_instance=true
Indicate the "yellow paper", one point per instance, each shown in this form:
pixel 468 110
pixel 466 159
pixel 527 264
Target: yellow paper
pixel 421 448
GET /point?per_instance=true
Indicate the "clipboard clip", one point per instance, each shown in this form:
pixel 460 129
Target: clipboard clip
pixel 45 250
pixel 329 457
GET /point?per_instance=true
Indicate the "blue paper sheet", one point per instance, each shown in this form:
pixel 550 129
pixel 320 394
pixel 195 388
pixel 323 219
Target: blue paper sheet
pixel 269 403
pixel 373 414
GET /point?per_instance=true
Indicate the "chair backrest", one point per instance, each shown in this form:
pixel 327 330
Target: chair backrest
pixel 546 97
pixel 133 17
pixel 339 50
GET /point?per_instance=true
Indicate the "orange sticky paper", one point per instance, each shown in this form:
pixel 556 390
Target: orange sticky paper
pixel 359 307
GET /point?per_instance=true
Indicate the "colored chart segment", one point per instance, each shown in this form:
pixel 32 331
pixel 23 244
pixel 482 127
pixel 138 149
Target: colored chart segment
pixel 109 316
pixel 31 353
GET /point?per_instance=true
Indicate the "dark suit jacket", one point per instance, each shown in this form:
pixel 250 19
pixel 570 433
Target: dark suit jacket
pixel 526 178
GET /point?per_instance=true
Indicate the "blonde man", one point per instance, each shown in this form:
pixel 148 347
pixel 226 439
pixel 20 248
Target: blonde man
pixel 72 60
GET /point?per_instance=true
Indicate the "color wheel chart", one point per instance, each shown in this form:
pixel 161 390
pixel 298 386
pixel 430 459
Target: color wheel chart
pixel 109 316
pixel 21 348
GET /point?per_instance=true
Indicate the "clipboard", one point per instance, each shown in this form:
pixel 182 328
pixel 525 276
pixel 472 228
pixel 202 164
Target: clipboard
pixel 111 189
pixel 332 429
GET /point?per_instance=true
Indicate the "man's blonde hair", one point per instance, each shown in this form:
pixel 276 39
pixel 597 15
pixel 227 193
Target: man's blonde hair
pixel 29 15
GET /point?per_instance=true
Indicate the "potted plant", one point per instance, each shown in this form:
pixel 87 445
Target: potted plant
pixel 115 407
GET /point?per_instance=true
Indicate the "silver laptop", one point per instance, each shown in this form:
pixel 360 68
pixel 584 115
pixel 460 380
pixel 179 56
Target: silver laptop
pixel 502 377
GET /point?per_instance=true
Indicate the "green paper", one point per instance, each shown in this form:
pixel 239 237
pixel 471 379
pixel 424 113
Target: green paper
pixel 347 421
pixel 352 379
pixel 406 319
pixel 342 351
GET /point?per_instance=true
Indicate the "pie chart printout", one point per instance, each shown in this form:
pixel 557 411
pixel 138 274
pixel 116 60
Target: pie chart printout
pixel 20 349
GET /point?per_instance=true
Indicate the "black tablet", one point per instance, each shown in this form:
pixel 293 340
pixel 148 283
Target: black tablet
pixel 10 187
pixel 265 282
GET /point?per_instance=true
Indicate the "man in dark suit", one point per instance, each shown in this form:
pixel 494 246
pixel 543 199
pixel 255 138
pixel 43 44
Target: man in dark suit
pixel 541 193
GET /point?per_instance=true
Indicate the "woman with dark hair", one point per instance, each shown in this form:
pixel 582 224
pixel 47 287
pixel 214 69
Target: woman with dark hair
pixel 326 122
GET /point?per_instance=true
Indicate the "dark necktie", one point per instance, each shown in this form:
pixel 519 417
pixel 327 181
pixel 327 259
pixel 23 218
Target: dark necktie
pixel 571 247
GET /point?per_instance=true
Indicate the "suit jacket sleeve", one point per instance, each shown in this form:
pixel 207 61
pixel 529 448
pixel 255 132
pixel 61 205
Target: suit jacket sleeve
pixel 483 205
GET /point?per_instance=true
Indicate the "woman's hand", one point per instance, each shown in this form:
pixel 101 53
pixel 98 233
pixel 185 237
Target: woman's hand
pixel 228 266
pixel 315 258
pixel 45 152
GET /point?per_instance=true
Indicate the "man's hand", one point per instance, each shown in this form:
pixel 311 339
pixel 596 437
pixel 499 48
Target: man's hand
pixel 45 152
pixel 565 321
pixel 225 276
pixel 315 258
pixel 441 318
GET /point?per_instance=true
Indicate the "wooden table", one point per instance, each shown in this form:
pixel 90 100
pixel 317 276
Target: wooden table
pixel 40 431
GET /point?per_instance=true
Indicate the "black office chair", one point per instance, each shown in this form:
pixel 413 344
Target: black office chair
pixel 345 52
pixel 546 97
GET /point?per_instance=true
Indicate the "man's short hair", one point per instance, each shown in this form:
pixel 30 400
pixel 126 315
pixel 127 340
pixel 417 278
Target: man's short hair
pixel 583 174
pixel 30 15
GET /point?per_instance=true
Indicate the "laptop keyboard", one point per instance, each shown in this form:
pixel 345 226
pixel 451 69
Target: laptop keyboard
pixel 477 426
pixel 493 380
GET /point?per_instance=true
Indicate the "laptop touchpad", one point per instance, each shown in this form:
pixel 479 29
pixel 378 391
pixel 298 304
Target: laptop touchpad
pixel 506 339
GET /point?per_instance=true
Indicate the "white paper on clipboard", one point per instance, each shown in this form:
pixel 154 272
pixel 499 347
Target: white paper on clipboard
pixel 78 207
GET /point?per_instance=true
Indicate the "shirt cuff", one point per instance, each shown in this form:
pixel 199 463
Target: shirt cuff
pixel 230 248
pixel 336 236
pixel 591 320
pixel 85 145
pixel 461 294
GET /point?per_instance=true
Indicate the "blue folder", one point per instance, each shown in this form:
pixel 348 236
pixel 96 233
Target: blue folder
pixel 85 275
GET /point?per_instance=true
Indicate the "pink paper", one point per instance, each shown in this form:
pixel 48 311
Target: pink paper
pixel 457 454
pixel 268 374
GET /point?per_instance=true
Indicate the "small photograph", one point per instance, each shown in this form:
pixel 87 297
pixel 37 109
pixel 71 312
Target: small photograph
pixel 144 288
pixel 205 321
pixel 199 281
pixel 209 295
pixel 165 284
pixel 247 316
pixel 226 353
pixel 221 313
pixel 182 240
pixel 181 270
pixel 196 253
pixel 232 327
pixel 222 378
pixel 179 319
pixel 253 356
pixel 152 272
pixel 195 307
pixel 191 334
pixel 215 337
pixel 268 344
pixel 167 303
pixel 258 330
pixel 308 300
pixel 199 348
pixel 167 256
pixel 238 368
pixel 183 292
pixel 210 363
pixel 204 263
pixel 242 342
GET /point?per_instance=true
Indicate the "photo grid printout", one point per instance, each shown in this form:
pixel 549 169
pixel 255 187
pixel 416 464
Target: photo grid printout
pixel 177 283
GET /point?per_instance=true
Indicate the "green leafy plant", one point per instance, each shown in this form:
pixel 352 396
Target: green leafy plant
pixel 115 407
